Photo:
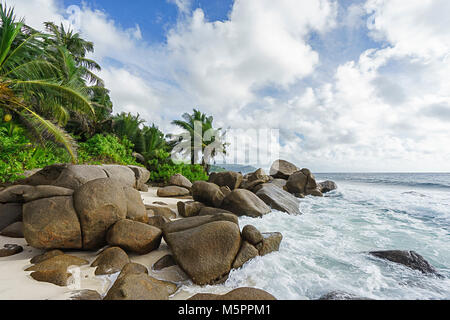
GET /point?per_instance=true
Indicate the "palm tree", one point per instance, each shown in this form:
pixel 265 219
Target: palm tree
pixel 28 82
pixel 193 139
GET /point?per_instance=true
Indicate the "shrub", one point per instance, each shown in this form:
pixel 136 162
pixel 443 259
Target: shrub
pixel 161 170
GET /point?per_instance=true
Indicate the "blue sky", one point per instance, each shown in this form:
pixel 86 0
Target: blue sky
pixel 351 85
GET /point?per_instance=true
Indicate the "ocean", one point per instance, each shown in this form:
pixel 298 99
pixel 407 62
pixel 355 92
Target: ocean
pixel 326 248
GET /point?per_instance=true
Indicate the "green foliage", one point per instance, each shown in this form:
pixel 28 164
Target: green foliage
pixel 163 171
pixel 106 149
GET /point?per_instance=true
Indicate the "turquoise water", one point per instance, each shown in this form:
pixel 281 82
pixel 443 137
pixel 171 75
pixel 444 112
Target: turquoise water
pixel 325 249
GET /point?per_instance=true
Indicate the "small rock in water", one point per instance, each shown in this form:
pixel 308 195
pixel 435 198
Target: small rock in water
pixel 409 259
pixel 341 295
pixel 164 262
pixel 271 243
pixel 252 235
pixel 10 250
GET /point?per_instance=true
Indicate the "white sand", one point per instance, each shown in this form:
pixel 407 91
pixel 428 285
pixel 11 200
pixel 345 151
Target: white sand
pixel 16 284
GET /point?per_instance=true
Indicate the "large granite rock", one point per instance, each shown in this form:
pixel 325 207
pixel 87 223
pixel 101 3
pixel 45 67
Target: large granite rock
pixel 245 203
pixel 122 174
pixel 142 175
pixel 228 179
pixel 140 287
pixel 240 294
pixel 24 193
pixel 194 222
pixel 134 236
pixel 165 212
pixel 207 193
pixel 210 211
pixel 246 253
pixel 278 199
pixel 303 183
pixel 52 223
pixel 172 191
pixel 10 213
pixel 100 204
pixel 270 243
pixel 135 206
pixel 190 208
pixel 252 235
pixel 282 169
pixel 180 181
pixel 410 259
pixel 206 252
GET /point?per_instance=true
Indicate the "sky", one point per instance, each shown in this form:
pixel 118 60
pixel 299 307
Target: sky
pixel 351 86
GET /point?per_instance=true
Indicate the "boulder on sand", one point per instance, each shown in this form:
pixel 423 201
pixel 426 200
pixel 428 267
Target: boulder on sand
pixel 110 261
pixel 134 236
pixel 189 208
pixel 52 223
pixel 132 268
pixel 100 204
pixel 172 192
pixel 10 213
pixel 282 169
pixel 207 193
pixel 10 250
pixel 206 252
pixel 45 256
pixel 161 211
pixel 180 181
pixel 240 294
pixel 278 199
pixel 135 206
pixel 58 276
pixel 410 259
pixel 228 179
pixel 245 203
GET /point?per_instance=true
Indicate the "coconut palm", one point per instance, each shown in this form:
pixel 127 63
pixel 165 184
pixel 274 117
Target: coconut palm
pixel 193 139
pixel 30 82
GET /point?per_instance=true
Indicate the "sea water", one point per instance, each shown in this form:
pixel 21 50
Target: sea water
pixel 326 248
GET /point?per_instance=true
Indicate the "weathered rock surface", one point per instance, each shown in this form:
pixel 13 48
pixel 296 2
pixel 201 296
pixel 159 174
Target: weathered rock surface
pixel 10 250
pixel 229 179
pixel 45 256
pixel 327 186
pixel 121 174
pixel 110 261
pixel 410 259
pixel 165 262
pixel 134 236
pixel 180 181
pixel 190 208
pixel 132 268
pixel 172 191
pixel 341 295
pixel 158 221
pixel 162 211
pixel 280 183
pixel 14 230
pixel 10 213
pixel 282 169
pixel 52 223
pixel 142 175
pixel 85 295
pixel 58 262
pixel 270 243
pixel 100 204
pixel 240 294
pixel 207 193
pixel 246 253
pixel 245 203
pixel 194 222
pixel 252 235
pixel 140 287
pixel 210 211
pixel 206 253
pixel 135 206
pixel 278 199
pixel 303 183
pixel 58 276
pixel 25 193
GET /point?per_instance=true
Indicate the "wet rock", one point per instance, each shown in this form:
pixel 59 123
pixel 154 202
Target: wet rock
pixel 190 223
pixel 206 253
pixel 245 203
pixel 10 250
pixel 282 169
pixel 252 235
pixel 134 236
pixel 162 211
pixel 140 287
pixel 270 243
pixel 132 268
pixel 172 192
pixel 327 186
pixel 13 231
pixel 110 261
pixel 100 204
pixel 10 213
pixel 246 253
pixel 240 294
pixel 229 179
pixel 278 199
pixel 52 223
pixel 165 262
pixel 58 276
pixel 45 256
pixel 296 183
pixel 190 208
pixel 135 206
pixel 341 295
pixel 410 259
pixel 85 295
pixel 207 193
pixel 180 181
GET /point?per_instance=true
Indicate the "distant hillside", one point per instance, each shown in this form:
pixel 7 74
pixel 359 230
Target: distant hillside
pixel 244 169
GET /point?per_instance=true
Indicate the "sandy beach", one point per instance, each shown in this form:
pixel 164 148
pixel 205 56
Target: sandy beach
pixel 16 284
